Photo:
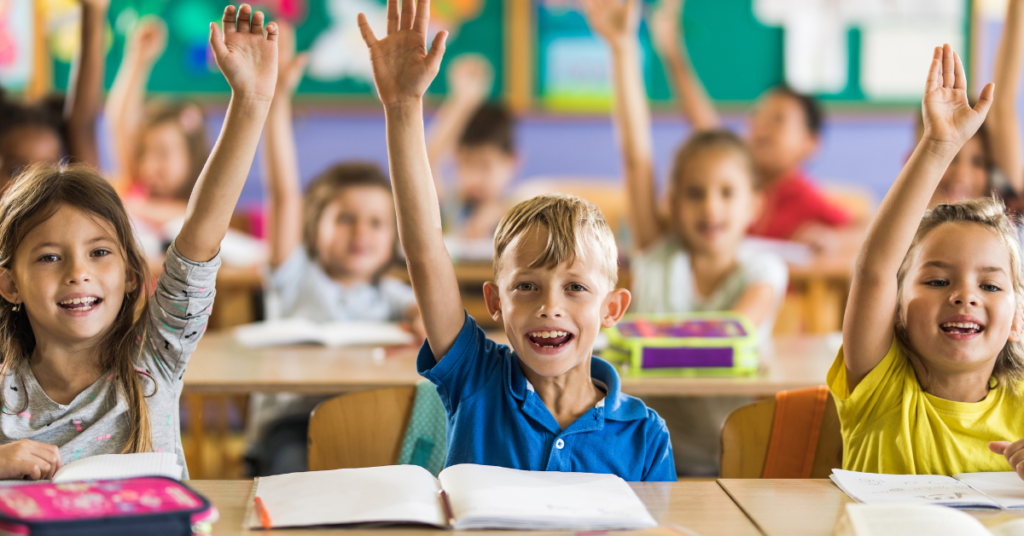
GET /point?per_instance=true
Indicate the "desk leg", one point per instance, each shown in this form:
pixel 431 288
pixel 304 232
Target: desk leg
pixel 197 463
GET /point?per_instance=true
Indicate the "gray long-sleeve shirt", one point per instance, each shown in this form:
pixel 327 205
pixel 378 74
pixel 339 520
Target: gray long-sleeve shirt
pixel 96 421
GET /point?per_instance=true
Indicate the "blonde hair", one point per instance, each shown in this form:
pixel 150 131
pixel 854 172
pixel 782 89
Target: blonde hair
pixel 991 214
pixel 570 221
pixel 34 197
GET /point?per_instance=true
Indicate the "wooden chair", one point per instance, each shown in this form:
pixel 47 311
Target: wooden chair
pixel 360 429
pixel 747 437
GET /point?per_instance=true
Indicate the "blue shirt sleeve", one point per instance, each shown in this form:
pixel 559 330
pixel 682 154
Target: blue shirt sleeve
pixel 660 466
pixel 472 363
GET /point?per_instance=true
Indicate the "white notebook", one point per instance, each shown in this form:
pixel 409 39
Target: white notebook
pixel 467 497
pixel 1004 490
pixel 115 466
pixel 302 331
pixel 915 519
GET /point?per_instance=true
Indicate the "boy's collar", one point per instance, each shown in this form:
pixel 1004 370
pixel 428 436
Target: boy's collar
pixel 617 406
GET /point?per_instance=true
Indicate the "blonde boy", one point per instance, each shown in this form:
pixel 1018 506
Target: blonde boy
pixel 545 403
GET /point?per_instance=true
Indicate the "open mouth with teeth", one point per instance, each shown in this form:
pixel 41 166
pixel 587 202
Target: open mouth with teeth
pixel 80 304
pixel 550 339
pixel 961 328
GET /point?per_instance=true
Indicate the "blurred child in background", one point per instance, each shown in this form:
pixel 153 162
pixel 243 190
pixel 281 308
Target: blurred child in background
pixel 329 251
pixel 42 132
pixel 694 262
pixel 785 131
pixel 481 138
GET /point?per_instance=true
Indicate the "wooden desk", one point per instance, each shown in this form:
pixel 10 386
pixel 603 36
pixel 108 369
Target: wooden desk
pixel 220 365
pixel 807 507
pixel 700 506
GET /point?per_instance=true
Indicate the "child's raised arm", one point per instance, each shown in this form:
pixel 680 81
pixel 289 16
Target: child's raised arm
pixel 1002 124
pixel 667 37
pixel 125 102
pixel 402 71
pixel 284 192
pixel 617 22
pixel 949 121
pixel 86 92
pixel 249 62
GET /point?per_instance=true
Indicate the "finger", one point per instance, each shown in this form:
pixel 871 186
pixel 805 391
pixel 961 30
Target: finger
pixel 960 78
pixel 408 14
pixel 392 16
pixel 273 32
pixel 1019 469
pixel 988 94
pixel 217 39
pixel 230 16
pixel 437 51
pixel 257 23
pixel 244 16
pixel 422 16
pixel 947 66
pixel 934 72
pixel 366 31
pixel 1016 458
pixel 998 447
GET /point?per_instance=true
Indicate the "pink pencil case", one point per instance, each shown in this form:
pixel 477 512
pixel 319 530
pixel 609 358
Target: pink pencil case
pixel 150 506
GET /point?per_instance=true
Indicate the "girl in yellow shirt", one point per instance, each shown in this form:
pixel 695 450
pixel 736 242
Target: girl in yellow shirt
pixel 934 388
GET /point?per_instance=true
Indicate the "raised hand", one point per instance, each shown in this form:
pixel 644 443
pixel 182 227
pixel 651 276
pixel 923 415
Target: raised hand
pixel 664 26
pixel 402 67
pixel 247 59
pixel 290 65
pixel 948 116
pixel 614 20
pixel 470 78
pixel 149 40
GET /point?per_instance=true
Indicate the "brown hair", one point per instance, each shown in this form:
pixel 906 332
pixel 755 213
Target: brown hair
pixel 709 140
pixel 491 125
pixel 34 197
pixel 991 214
pixel 188 117
pixel 569 221
pixel 326 186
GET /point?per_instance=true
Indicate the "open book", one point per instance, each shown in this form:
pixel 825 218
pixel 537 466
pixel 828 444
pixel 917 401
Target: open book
pixel 115 466
pixel 462 497
pixel 968 490
pixel 302 331
pixel 914 519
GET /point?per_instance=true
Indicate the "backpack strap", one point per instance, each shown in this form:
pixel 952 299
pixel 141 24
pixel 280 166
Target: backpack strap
pixel 795 430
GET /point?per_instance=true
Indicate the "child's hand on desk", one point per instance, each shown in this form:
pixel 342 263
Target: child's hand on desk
pixel 949 120
pixel 1014 453
pixel 402 67
pixel 27 458
pixel 247 59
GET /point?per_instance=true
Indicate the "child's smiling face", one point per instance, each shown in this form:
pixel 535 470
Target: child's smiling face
pixel 69 272
pixel 356 237
pixel 958 299
pixel 553 315
pixel 714 202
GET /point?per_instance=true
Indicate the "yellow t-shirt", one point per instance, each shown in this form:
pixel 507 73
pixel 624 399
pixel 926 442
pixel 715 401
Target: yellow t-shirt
pixel 890 425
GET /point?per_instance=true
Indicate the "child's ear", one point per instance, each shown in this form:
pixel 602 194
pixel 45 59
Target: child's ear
pixel 1017 328
pixel 8 287
pixel 492 301
pixel 615 306
pixel 131 282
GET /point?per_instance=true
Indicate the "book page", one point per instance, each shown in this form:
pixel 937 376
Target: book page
pixel 921 489
pixel 495 497
pixel 278 333
pixel 364 334
pixel 390 494
pixel 111 466
pixel 1005 488
pixel 902 519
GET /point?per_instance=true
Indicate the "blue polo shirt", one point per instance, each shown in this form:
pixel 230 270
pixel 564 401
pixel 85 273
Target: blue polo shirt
pixel 496 418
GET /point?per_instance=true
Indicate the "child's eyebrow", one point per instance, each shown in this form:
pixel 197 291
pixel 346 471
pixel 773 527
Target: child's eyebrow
pixel 57 245
pixel 983 269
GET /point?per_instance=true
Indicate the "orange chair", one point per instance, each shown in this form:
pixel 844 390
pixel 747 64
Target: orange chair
pixel 794 435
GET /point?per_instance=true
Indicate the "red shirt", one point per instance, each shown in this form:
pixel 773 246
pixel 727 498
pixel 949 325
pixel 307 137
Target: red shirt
pixel 792 201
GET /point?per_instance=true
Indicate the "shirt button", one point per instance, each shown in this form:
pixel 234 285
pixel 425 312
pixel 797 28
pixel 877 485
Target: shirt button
pixel 559 444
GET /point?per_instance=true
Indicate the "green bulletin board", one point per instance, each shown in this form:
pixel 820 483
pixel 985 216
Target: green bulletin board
pixel 188 68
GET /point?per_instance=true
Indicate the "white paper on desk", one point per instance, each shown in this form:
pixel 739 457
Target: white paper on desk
pixel 911 519
pixel 1005 488
pixel 484 497
pixel 302 331
pixel 113 466
pixel 876 488
pixel 390 494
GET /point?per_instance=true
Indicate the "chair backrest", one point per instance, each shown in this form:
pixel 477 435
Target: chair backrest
pixel 360 429
pixel 747 440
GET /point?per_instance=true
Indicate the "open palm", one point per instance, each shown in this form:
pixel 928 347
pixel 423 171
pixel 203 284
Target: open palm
pixel 402 67
pixel 948 116
pixel 247 59
pixel 614 20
